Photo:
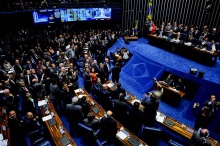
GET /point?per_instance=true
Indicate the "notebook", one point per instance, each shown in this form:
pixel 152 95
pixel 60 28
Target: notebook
pixel 134 141
pixel 65 141
pixel 95 109
pixel 168 122
pixel 52 122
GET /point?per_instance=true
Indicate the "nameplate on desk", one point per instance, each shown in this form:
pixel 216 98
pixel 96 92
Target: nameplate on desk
pixel 168 122
pixel 134 141
pixel 42 102
pixel 95 110
pixel 52 122
pixel 65 141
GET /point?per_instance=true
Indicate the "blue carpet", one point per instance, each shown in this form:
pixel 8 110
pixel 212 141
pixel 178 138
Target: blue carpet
pixel 148 62
pixel 137 80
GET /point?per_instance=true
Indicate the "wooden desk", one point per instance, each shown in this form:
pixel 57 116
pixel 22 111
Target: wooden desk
pixel 178 127
pixel 192 52
pixel 101 114
pixel 54 130
pixel 131 38
pixel 4 125
pixel 170 92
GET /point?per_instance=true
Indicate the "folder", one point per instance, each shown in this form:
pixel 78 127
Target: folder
pixel 168 122
pixel 95 110
pixel 65 141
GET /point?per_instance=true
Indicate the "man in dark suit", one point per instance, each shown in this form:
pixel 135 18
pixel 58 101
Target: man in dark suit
pixel 105 98
pixel 28 78
pixel 202 116
pixel 32 123
pixel 170 34
pixel 16 129
pixel 200 138
pixel 87 80
pixel 135 118
pixel 107 68
pixel 120 109
pixel 116 73
pixel 85 105
pixel 108 128
pixel 118 90
pixel 10 101
pixel 38 88
pixel 150 108
pixel 91 121
pixel 74 114
pixel 18 69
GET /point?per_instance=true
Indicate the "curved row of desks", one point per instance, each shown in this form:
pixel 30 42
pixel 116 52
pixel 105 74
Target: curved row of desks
pixel 169 122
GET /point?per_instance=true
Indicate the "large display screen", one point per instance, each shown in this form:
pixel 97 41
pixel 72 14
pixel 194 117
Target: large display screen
pixel 69 15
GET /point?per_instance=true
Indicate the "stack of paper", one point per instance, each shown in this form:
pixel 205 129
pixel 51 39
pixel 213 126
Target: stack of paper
pixel 42 102
pixel 46 118
pixel 159 118
pixel 136 100
pixel 110 85
pixel 3 142
pixel 81 95
pixel 121 135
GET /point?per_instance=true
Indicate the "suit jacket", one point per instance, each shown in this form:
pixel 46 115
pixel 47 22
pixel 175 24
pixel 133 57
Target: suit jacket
pixel 196 140
pixel 31 125
pixel 94 124
pixel 135 120
pixel 74 113
pixel 116 71
pixel 28 79
pixel 202 121
pixel 120 109
pixel 108 128
pixel 116 93
pixel 150 111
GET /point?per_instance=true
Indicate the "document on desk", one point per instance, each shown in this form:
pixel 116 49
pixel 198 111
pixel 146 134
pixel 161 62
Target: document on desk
pixel 77 90
pixel 136 100
pixel 81 95
pixel 121 135
pixel 4 142
pixel 42 102
pixel 46 118
pixel 1 137
pixel 159 118
pixel 110 85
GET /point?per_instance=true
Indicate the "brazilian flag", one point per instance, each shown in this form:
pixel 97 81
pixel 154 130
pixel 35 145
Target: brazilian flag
pixel 136 27
pixel 149 10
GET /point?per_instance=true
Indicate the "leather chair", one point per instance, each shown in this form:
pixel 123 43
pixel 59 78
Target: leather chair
pixel 87 131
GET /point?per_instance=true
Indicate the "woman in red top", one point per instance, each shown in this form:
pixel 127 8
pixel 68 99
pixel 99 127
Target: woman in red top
pixel 93 75
pixel 154 28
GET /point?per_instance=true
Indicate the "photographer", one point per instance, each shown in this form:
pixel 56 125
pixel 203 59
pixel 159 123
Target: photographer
pixel 213 105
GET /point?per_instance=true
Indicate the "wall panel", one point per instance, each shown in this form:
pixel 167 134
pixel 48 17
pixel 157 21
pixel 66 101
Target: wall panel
pixel 188 12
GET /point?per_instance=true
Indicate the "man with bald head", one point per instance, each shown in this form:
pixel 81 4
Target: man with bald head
pixel 32 123
pixel 108 127
pixel 200 138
